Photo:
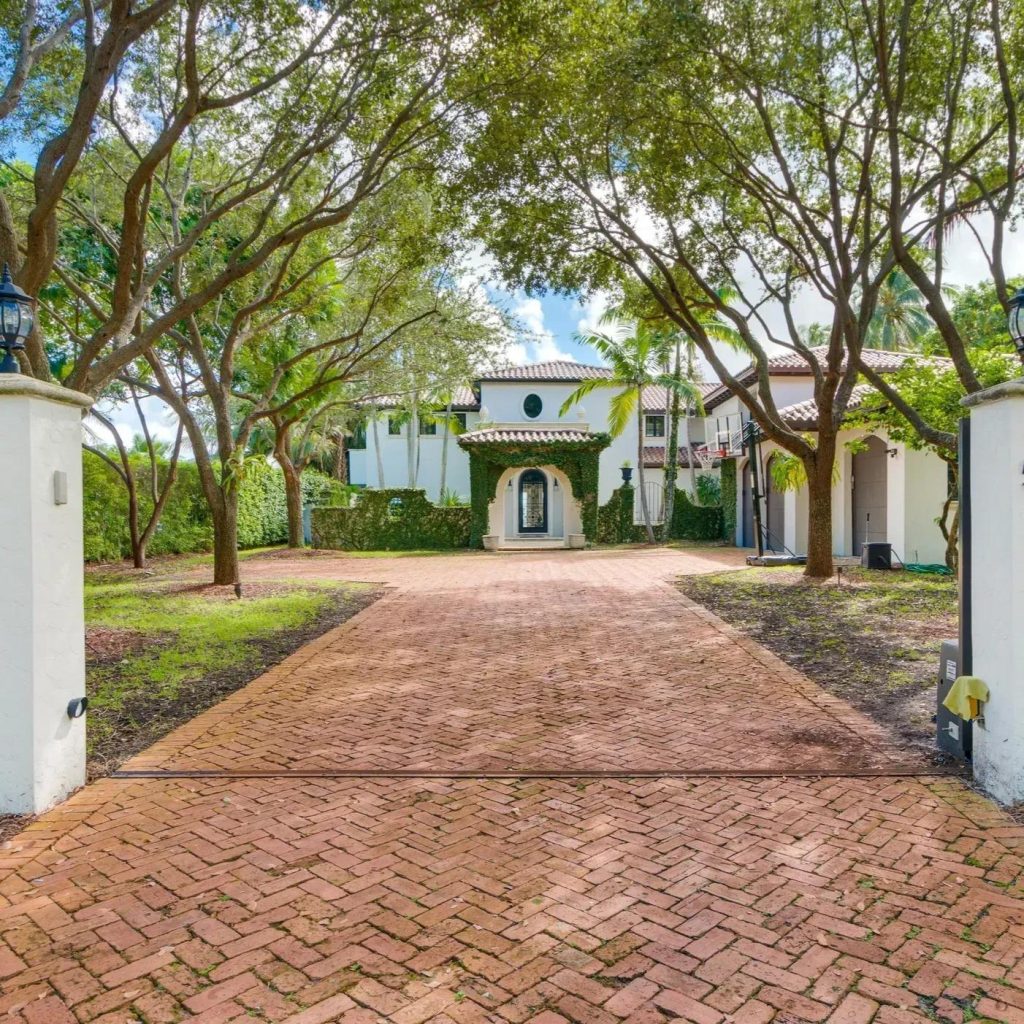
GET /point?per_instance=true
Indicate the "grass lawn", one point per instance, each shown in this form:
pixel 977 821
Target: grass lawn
pixel 873 640
pixel 160 649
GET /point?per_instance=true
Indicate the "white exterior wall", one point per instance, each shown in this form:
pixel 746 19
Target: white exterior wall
pixel 395 456
pixel 502 406
pixel 915 491
pixel 997 586
pixel 42 642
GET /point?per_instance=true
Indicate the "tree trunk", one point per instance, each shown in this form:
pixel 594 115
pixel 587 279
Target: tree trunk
pixel 689 458
pixel 819 508
pixel 376 447
pixel 672 450
pixel 444 451
pixel 411 444
pixel 651 539
pixel 950 525
pixel 690 374
pixel 292 486
pixel 341 459
pixel 293 498
pixel 225 536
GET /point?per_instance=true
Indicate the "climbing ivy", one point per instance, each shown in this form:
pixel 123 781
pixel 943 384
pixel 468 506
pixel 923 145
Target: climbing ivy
pixel 398 519
pixel 578 460
pixel 689 521
pixel 728 478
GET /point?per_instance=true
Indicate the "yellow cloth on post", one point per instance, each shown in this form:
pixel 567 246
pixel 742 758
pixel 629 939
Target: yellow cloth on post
pixel 964 696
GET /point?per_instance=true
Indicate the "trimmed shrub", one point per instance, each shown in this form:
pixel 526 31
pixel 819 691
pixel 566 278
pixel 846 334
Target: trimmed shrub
pixel 394 519
pixel 695 522
pixel 615 518
pixel 689 521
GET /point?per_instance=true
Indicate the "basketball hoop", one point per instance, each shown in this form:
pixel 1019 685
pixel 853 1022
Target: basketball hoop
pixel 706 457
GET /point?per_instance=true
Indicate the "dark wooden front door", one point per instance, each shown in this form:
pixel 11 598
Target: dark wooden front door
pixel 533 502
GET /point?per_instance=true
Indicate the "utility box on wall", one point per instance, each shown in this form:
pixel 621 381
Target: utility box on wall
pixel 952 733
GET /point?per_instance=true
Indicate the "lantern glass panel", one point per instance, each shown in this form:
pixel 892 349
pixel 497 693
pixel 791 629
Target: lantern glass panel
pixel 10 319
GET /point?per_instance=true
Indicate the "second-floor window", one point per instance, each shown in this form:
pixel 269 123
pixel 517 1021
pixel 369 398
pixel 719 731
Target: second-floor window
pixel 394 426
pixel 460 418
pixel 654 426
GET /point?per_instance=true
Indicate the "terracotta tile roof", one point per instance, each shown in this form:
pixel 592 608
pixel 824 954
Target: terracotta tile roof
pixel 501 435
pixel 463 398
pixel 554 370
pixel 654 458
pixel 656 397
pixel 804 415
pixel 793 364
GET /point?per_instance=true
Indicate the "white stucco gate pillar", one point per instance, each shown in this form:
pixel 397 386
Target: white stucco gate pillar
pixel 996 584
pixel 42 632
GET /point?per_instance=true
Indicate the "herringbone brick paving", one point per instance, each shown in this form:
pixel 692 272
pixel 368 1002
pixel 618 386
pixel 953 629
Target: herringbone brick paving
pixel 456 901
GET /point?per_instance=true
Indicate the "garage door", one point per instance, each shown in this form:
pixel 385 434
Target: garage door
pixel 869 494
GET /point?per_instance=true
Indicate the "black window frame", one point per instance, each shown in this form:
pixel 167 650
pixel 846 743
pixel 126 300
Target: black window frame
pixel 647 424
pixel 540 406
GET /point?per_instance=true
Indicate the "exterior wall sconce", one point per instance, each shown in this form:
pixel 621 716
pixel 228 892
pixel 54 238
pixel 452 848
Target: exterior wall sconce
pixel 1016 322
pixel 16 319
pixel 892 452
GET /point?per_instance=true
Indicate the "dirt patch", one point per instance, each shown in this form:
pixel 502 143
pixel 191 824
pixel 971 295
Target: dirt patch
pixel 872 639
pixel 11 825
pixel 143 718
pixel 229 592
pixel 107 644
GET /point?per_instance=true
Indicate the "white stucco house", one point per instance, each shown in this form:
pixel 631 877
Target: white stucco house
pixel 515 407
pixel 884 491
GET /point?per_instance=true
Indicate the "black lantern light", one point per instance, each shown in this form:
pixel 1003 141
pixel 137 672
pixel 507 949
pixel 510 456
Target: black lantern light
pixel 1016 322
pixel 16 317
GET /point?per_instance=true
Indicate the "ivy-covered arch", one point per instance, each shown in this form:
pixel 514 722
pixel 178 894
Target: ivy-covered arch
pixel 491 452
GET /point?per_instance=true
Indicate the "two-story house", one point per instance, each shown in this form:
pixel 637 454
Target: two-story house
pixel 521 405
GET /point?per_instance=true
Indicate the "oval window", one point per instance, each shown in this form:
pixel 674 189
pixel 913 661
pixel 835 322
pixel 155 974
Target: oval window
pixel 532 406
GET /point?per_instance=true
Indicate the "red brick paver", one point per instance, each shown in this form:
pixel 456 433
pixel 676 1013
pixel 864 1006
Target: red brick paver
pixel 512 900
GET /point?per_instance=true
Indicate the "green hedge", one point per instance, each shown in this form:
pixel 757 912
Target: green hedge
pixel 728 479
pixel 395 519
pixel 689 521
pixel 186 525
pixel 695 522
pixel 615 518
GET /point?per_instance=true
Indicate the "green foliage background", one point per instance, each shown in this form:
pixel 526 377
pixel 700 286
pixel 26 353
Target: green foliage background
pixel 186 525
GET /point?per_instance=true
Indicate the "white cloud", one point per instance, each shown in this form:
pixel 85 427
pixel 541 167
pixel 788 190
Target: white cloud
pixel 594 307
pixel 537 343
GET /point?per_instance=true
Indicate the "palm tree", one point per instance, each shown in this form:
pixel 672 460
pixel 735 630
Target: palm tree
pixel 635 354
pixel 900 317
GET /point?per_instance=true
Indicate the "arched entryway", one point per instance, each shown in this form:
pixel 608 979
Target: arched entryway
pixel 775 509
pixel 533 502
pixel 870 511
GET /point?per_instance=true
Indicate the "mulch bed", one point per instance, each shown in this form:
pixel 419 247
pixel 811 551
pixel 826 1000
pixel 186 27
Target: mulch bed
pixel 873 640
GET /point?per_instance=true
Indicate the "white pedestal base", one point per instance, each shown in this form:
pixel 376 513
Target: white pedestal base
pixel 42 638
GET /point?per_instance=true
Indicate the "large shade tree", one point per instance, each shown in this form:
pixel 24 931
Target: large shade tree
pixel 779 149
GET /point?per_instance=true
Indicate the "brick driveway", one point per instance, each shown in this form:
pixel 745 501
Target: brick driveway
pixel 846 898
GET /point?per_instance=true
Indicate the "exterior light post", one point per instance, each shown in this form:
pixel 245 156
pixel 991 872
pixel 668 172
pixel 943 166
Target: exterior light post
pixel 1016 322
pixel 16 318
